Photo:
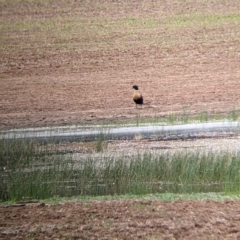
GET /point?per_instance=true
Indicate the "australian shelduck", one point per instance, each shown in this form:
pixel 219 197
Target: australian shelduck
pixel 137 97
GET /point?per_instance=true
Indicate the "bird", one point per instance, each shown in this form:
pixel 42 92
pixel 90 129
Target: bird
pixel 137 97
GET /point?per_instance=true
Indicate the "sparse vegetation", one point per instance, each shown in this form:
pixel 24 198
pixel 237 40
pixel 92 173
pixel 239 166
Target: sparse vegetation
pixel 234 115
pixel 100 143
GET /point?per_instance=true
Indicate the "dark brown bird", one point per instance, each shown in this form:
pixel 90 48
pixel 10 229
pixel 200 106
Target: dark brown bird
pixel 137 97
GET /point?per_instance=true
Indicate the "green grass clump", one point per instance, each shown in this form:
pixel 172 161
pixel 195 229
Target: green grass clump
pixel 100 143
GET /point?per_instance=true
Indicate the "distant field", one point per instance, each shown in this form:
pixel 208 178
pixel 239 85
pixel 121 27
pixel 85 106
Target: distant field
pixel 71 62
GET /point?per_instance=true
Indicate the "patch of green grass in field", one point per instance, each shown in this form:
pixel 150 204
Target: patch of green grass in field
pixel 233 115
pixel 186 20
pixel 145 197
pixel 203 117
pixel 184 117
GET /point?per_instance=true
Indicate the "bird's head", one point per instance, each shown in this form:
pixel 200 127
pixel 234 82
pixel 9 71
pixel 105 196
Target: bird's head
pixel 135 87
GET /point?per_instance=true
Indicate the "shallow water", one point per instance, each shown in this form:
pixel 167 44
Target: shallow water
pixel 74 133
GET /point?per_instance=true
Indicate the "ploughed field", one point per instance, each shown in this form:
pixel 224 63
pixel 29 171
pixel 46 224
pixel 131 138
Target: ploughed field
pixel 122 219
pixel 66 62
pixel 71 62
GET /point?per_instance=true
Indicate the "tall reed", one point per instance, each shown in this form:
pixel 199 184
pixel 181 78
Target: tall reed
pixel 31 171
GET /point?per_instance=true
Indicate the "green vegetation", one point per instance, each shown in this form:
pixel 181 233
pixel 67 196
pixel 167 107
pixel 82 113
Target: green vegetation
pixel 185 20
pixel 100 143
pixel 184 117
pixel 233 115
pixel 33 171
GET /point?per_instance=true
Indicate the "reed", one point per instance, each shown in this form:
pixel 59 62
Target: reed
pixel 32 171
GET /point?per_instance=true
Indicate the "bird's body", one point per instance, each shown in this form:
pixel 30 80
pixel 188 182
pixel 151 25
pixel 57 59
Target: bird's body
pixel 137 97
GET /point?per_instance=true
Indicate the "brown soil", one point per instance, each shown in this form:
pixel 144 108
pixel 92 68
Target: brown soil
pixel 77 76
pixel 122 219
pixel 61 63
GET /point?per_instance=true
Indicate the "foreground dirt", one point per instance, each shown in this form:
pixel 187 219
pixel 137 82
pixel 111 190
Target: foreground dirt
pixel 126 219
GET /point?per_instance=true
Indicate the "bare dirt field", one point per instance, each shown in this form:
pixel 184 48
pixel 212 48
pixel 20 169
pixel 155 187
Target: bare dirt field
pixel 74 62
pixel 70 62
pixel 122 219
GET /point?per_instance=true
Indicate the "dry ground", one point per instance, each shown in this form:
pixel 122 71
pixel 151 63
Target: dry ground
pixel 70 62
pixel 74 62
pixel 122 219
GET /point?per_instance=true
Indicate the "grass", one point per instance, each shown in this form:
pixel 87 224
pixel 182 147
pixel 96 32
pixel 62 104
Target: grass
pixel 145 197
pixel 184 117
pixel 233 115
pixel 31 171
pixel 204 19
pixel 100 143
